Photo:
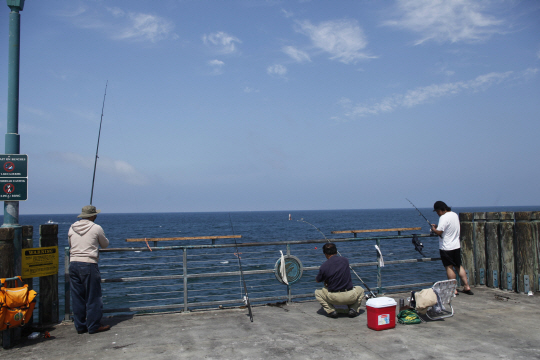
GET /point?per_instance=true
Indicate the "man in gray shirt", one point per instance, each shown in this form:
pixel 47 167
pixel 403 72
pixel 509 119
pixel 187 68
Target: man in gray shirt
pixel 85 237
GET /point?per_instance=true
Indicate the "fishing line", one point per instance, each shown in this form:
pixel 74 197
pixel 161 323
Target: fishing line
pixel 350 267
pixel 97 149
pixel 246 296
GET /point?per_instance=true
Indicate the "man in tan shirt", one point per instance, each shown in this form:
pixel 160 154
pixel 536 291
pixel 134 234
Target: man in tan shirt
pixel 85 237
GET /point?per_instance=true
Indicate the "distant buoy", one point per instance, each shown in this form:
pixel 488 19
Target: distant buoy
pixel 290 217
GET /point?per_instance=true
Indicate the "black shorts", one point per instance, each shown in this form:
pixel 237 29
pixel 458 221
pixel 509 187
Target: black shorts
pixel 451 257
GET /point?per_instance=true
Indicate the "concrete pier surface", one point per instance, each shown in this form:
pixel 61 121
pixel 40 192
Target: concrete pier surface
pixel 492 324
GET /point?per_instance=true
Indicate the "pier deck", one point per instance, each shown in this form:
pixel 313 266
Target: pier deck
pixel 492 324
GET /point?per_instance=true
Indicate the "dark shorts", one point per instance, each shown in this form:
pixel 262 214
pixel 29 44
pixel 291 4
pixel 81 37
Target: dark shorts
pixel 451 257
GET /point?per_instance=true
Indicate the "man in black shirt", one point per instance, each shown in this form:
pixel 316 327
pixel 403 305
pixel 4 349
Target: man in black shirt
pixel 338 287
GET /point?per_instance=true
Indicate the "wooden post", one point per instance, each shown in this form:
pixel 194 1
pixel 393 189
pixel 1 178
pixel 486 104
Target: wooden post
pixel 6 252
pixel 467 245
pixel 48 285
pixel 7 266
pixel 28 243
pixel 506 235
pixel 535 217
pixel 525 252
pixel 492 250
pixel 479 225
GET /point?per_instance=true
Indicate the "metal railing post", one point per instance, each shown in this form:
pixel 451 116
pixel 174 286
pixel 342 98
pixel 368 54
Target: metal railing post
pixel 67 289
pixel 185 281
pixel 289 290
pixel 379 270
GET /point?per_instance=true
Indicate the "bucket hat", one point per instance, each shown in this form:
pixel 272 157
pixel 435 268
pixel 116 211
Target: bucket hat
pixel 88 211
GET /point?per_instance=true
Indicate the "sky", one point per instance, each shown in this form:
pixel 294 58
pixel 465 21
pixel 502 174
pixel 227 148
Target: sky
pixel 249 105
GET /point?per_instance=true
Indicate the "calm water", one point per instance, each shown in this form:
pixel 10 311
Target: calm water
pixel 260 226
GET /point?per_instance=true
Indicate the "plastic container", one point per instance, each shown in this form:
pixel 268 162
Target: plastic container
pixel 381 313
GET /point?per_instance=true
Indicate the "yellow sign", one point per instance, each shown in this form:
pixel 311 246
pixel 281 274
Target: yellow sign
pixel 39 262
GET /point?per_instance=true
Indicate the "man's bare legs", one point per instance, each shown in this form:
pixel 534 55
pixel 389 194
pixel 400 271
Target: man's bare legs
pixel 451 274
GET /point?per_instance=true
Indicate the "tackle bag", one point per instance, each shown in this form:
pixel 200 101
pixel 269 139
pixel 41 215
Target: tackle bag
pixel 16 305
pixel 408 317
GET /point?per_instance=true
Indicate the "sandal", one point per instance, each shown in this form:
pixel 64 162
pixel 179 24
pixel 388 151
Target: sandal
pixel 468 292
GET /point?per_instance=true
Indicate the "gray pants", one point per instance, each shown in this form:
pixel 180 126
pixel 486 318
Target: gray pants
pixel 352 298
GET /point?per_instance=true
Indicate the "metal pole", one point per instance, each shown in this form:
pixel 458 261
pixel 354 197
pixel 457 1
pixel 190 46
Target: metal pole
pixel 12 144
pixel 289 289
pixel 379 270
pixel 186 309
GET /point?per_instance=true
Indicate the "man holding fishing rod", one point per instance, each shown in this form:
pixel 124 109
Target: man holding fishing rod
pixel 338 287
pixel 85 238
pixel 449 246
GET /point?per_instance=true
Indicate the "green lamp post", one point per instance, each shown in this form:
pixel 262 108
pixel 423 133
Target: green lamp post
pixel 12 145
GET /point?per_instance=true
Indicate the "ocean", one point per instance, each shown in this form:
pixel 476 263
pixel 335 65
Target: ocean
pixel 254 227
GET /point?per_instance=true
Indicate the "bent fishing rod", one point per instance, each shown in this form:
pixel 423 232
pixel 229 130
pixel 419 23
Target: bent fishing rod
pixel 246 296
pixel 97 149
pixel 350 267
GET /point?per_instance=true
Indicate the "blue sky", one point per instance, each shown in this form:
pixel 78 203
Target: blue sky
pixel 244 105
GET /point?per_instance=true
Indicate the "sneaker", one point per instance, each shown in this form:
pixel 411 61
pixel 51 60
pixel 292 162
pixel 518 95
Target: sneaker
pixel 333 315
pixel 101 329
pixel 352 313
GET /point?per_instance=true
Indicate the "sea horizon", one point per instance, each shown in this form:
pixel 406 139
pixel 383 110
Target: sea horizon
pixel 454 208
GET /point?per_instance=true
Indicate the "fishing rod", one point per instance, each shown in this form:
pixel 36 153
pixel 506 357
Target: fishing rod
pixel 246 296
pixel 420 213
pixel 350 267
pixel 97 149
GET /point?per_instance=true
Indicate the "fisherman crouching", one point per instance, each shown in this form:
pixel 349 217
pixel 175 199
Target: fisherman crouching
pixel 85 238
pixel 338 287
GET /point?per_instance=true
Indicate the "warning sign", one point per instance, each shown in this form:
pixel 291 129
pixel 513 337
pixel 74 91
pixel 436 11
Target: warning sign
pixel 15 189
pixel 39 262
pixel 13 165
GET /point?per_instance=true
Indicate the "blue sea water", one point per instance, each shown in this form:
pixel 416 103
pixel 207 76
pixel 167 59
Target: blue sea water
pixel 255 226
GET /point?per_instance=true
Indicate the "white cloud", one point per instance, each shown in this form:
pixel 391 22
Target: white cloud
pixel 217 66
pixel 277 69
pixel 446 20
pixel 249 90
pixel 424 94
pixel 144 27
pixel 222 42
pixel 344 40
pixel 117 168
pixel 218 63
pixel 122 25
pixel 286 13
pixel 296 54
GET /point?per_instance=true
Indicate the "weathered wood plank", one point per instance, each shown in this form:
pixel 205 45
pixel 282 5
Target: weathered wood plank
pixel 479 226
pixel 525 251
pixel 492 249
pixel 467 245
pixel 188 238
pixel 48 285
pixel 535 218
pixel 374 230
pixel 506 236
